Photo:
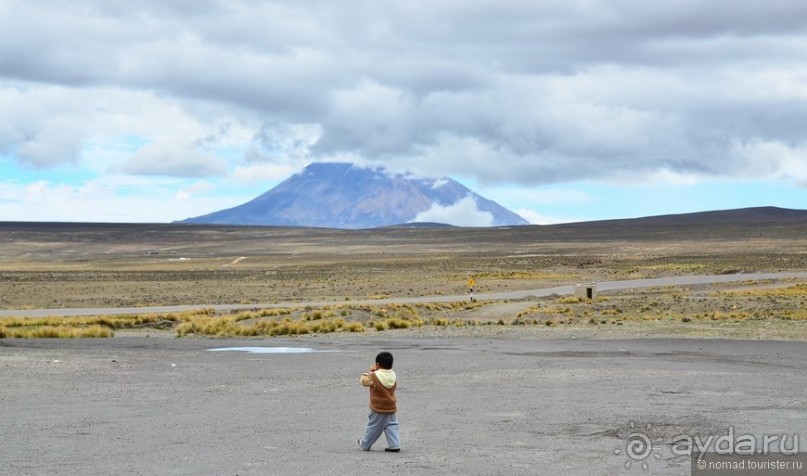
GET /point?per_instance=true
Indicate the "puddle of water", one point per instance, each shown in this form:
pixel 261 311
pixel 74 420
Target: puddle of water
pixel 270 350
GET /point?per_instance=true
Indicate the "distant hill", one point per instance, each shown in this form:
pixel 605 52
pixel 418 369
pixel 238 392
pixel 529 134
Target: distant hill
pixel 739 215
pixel 342 195
pixel 709 225
pixel 76 240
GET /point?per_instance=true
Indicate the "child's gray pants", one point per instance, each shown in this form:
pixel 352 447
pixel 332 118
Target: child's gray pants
pixel 378 423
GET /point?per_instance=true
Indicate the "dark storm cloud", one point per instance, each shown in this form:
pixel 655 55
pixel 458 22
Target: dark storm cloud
pixel 507 91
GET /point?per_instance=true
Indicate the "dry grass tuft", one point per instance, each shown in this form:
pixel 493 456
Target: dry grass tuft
pixel 55 332
pixel 94 326
pixel 227 326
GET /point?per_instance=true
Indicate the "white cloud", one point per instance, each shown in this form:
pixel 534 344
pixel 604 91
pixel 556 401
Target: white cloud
pixel 36 188
pixel 284 143
pixel 536 218
pixel 174 157
pixel 196 188
pixel 103 129
pixel 252 174
pixel 538 196
pixel 42 129
pixel 501 92
pixel 461 213
pixel 439 183
pixel 773 159
pixel 101 201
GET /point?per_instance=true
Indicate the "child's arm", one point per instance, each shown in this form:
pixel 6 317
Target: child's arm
pixel 365 378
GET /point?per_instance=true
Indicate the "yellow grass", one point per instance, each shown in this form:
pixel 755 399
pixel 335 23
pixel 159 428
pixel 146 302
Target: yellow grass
pixel 689 267
pixel 228 326
pixel 798 290
pixel 92 326
pixel 61 332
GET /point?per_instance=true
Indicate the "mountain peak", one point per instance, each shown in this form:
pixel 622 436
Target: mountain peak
pixel 345 195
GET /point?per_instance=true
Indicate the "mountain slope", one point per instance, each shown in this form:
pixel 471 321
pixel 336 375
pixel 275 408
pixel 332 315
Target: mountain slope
pixel 340 195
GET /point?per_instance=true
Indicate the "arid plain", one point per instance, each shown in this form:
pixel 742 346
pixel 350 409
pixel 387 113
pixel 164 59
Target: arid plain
pixel 529 386
pixel 93 266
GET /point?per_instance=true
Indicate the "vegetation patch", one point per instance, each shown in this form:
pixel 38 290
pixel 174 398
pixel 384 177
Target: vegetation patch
pixel 89 326
pixel 61 332
pixel 696 309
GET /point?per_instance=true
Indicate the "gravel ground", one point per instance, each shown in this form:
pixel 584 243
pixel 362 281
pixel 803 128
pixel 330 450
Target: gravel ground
pixel 507 403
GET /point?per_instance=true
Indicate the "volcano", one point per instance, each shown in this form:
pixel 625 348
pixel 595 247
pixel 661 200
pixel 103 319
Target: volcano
pixel 344 195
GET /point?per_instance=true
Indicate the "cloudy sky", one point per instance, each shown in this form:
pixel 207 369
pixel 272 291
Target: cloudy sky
pixel 561 110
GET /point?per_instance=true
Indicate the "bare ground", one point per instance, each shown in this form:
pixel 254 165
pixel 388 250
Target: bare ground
pixel 512 403
pixel 557 393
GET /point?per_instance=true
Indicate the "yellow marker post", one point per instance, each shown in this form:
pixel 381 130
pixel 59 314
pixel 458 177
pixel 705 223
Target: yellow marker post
pixel 471 283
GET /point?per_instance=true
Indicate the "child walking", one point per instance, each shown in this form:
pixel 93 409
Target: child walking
pixel 383 405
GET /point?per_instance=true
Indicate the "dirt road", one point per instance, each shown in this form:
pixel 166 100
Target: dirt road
pixel 560 290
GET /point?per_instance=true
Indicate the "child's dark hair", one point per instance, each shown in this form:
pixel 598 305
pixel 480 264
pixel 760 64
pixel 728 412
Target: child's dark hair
pixel 384 360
